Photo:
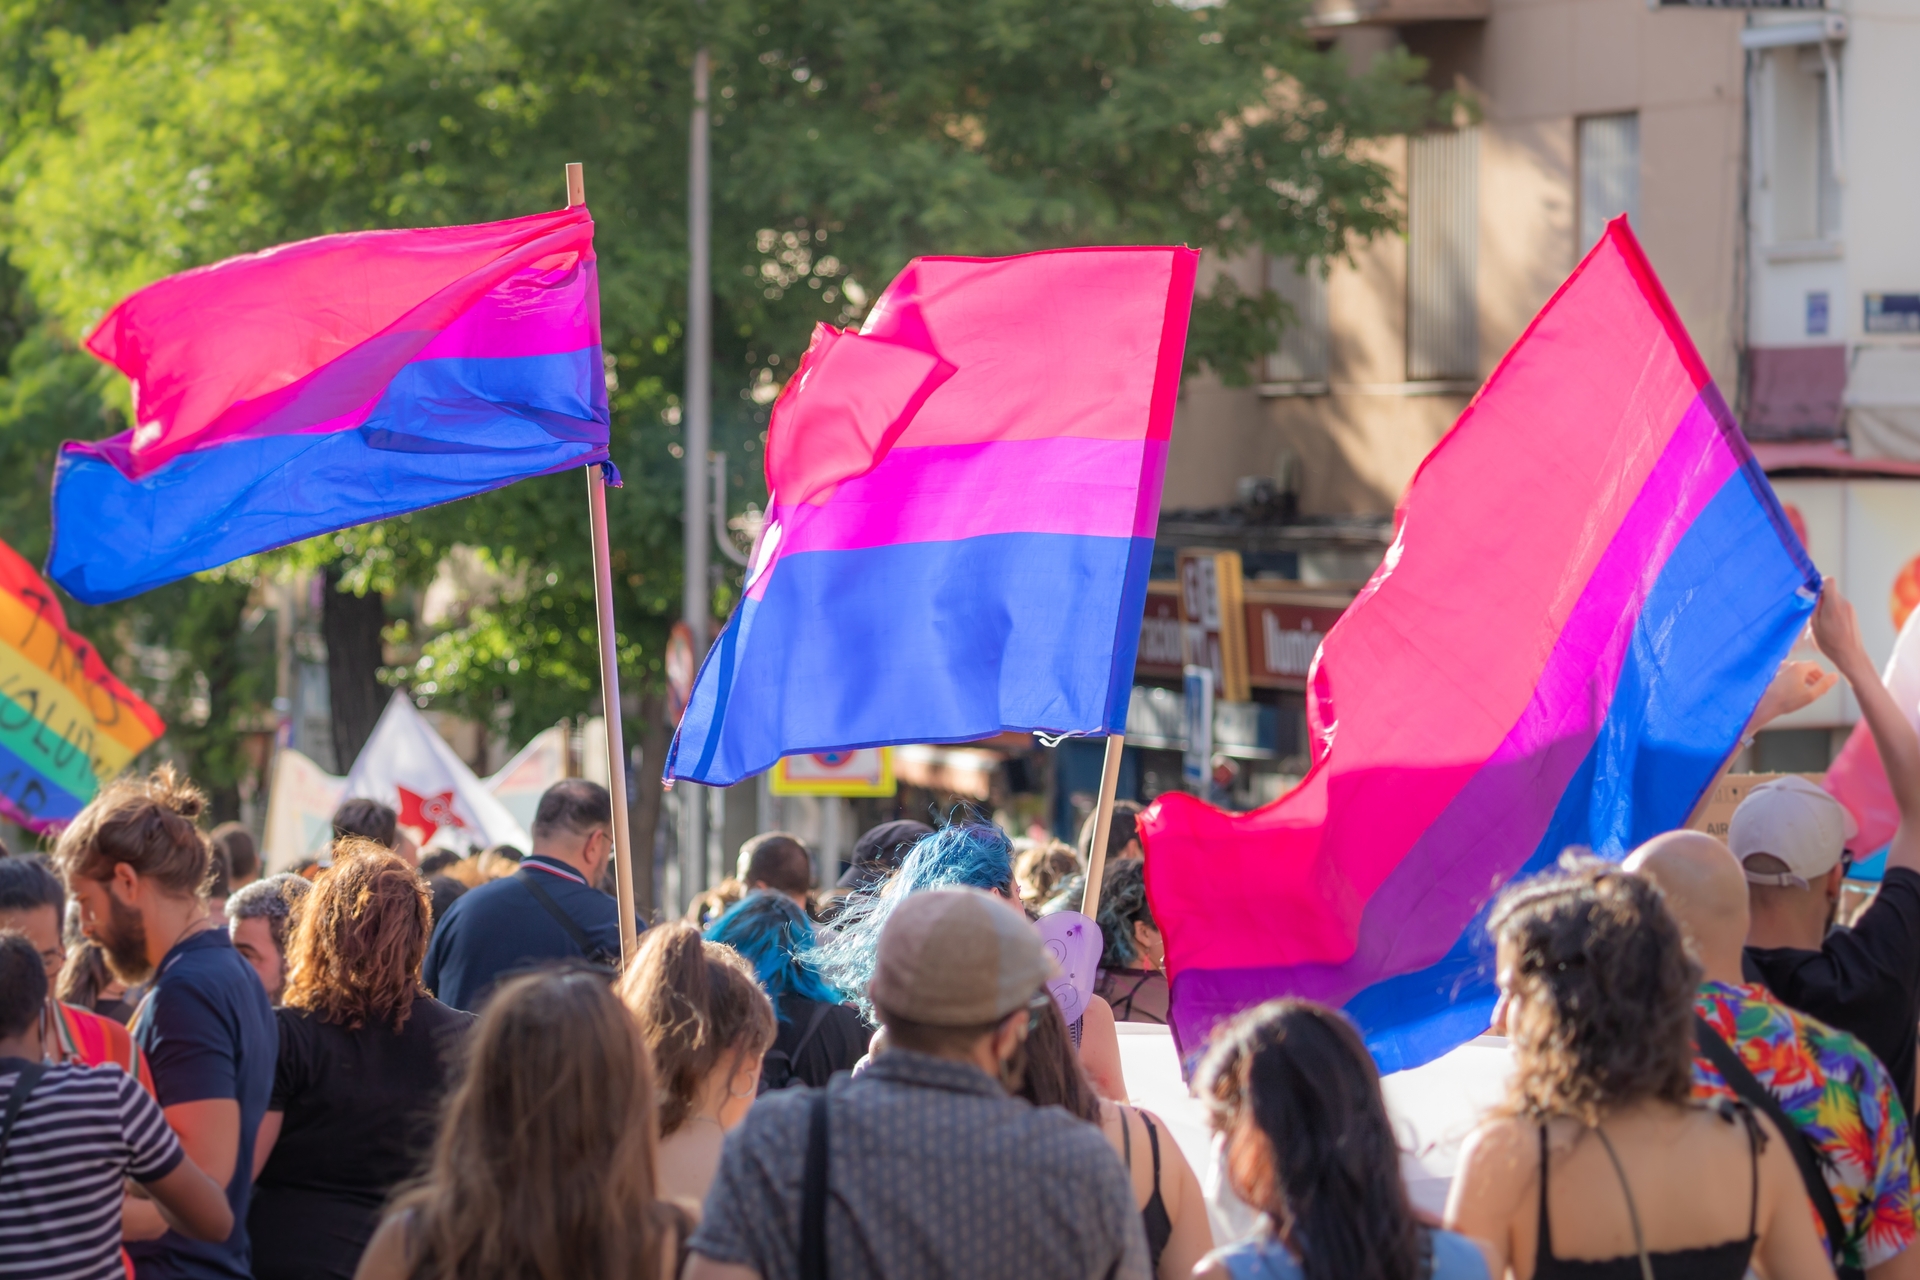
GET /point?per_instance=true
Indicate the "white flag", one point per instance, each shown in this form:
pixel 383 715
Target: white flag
pixel 407 765
pixel 299 810
pixel 525 778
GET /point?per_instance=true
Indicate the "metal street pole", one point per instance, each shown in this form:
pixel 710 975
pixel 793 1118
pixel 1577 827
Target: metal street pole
pixel 696 417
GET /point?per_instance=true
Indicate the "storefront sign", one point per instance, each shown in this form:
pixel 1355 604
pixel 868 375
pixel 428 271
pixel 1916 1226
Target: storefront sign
pixel 1160 651
pixel 1282 640
pixel 867 771
pixel 1211 601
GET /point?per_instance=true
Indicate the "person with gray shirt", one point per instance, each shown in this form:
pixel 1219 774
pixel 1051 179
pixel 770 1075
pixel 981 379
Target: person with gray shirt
pixel 923 1165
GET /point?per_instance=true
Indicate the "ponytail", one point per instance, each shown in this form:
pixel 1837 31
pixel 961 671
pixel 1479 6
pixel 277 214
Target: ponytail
pixel 697 1003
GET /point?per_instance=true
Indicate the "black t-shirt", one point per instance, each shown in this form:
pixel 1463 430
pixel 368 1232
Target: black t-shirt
pixel 359 1111
pixel 1865 979
pixel 838 1041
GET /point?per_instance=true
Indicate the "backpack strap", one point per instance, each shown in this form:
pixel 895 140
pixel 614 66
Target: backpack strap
pixel 1756 1095
pixel 813 1194
pixel 566 922
pixel 806 1037
pixel 30 1073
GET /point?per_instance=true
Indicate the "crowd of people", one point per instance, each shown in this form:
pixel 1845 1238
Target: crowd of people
pixel 351 1071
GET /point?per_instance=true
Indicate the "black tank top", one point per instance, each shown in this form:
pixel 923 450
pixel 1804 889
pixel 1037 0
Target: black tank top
pixel 1707 1262
pixel 1154 1217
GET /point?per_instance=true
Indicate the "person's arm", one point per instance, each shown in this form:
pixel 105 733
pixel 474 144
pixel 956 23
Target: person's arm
pixel 386 1254
pixel 1488 1185
pixel 1789 1247
pixel 210 1132
pixel 1837 631
pixel 1904 1265
pixel 1192 1237
pixel 699 1267
pixel 1100 1051
pixel 268 1134
pixel 192 1203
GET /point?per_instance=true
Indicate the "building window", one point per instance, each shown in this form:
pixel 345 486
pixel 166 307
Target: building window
pixel 1302 353
pixel 1443 234
pixel 1609 160
pixel 1797 173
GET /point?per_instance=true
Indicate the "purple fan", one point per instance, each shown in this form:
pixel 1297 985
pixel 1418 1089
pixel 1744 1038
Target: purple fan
pixel 1075 944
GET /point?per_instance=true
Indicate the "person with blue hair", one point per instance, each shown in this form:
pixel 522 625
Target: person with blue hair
pixel 971 854
pixel 817 1035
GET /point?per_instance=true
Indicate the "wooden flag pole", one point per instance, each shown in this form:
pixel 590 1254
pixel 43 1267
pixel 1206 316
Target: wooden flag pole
pixel 609 666
pixel 1102 825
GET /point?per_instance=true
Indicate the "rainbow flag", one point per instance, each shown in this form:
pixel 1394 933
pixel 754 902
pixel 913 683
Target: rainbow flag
pixel 963 501
pixel 1590 586
pixel 331 382
pixel 67 724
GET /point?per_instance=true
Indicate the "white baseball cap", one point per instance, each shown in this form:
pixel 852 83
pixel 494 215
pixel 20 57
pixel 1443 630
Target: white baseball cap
pixel 1795 821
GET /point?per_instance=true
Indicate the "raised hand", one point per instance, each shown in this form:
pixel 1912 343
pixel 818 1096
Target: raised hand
pixel 1836 629
pixel 1795 685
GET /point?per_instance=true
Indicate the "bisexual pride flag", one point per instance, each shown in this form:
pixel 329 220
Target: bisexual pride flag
pixel 963 497
pixel 67 724
pixel 1590 586
pixel 327 383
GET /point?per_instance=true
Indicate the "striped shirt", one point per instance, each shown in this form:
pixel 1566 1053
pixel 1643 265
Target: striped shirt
pixel 82 1131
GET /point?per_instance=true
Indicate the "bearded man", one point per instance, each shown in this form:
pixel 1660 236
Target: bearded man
pixel 139 867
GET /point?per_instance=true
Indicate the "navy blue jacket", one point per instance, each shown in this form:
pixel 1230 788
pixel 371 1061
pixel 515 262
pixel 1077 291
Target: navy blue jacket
pixel 501 928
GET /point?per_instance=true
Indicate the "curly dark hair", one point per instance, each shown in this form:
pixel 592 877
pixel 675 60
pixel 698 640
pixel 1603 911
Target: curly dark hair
pixel 1123 900
pixel 1601 993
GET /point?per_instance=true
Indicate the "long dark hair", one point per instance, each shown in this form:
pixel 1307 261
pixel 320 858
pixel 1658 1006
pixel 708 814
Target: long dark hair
pixel 1299 1073
pixel 1053 1075
pixel 544 1164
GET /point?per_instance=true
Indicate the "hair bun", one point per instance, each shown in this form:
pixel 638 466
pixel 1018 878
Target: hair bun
pixel 176 794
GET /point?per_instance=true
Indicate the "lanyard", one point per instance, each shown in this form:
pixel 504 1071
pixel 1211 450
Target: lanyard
pixel 565 873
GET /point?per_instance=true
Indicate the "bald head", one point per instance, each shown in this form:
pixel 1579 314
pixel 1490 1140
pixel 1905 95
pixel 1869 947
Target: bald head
pixel 1706 892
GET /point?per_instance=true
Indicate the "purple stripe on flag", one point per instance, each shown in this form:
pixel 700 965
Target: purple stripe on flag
pixel 942 493
pixel 534 312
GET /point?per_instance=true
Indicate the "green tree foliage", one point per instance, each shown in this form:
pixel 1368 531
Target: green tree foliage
pixel 848 136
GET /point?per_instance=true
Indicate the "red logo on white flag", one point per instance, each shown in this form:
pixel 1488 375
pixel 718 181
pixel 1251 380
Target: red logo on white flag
pixel 428 813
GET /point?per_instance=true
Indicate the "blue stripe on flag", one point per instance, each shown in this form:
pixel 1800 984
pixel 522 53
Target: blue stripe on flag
pixel 958 639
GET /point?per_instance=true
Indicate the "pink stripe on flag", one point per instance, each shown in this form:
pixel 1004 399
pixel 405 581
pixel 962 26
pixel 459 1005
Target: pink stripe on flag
pixel 1065 316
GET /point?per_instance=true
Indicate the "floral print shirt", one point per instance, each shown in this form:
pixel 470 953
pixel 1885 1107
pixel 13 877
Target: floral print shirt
pixel 1841 1098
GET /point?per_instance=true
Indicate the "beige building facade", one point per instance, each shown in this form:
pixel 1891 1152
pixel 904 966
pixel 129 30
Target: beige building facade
pixel 1580 110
